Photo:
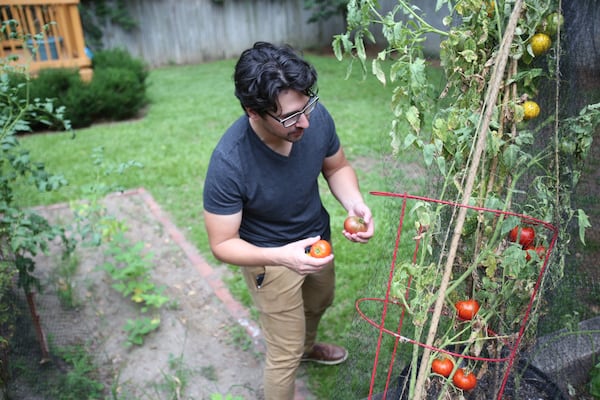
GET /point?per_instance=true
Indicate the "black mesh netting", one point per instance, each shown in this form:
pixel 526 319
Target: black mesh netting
pixel 533 376
pixel 557 364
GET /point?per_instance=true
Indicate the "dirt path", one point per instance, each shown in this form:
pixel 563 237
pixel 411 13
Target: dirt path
pixel 200 332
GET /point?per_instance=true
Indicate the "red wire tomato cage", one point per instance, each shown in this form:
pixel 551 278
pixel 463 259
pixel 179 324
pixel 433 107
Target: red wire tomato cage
pixel 510 340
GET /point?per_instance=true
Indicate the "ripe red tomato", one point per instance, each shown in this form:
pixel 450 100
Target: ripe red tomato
pixel 524 236
pixel 320 249
pixel 354 224
pixel 442 366
pixel 464 381
pixel 540 250
pixel 466 309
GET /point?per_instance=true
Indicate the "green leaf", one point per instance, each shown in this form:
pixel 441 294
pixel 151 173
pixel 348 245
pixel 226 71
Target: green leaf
pixel 441 162
pixel 409 140
pixel 584 222
pixel 412 116
pixel 510 156
pixel 360 48
pixel 429 153
pixel 337 47
pixel 378 71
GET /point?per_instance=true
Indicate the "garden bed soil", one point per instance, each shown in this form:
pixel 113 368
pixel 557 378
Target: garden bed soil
pixel 205 338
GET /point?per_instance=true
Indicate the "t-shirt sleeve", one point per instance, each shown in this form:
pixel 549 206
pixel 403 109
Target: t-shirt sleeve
pixel 222 190
pixel 334 141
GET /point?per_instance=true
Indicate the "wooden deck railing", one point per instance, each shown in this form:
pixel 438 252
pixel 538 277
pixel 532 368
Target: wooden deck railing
pixel 58 21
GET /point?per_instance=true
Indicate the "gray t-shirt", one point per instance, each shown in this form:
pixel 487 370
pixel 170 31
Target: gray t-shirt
pixel 278 195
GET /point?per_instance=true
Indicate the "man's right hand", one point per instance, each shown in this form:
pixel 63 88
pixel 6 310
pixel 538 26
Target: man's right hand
pixel 297 259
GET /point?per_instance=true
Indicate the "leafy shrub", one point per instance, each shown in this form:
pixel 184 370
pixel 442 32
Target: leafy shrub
pixel 121 92
pixel 55 83
pixel 120 58
pixel 65 87
pixel 117 92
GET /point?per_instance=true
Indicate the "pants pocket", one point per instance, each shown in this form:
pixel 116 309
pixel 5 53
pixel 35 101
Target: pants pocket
pixel 254 277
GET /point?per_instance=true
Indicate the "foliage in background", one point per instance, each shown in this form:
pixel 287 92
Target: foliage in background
pixel 444 127
pixel 323 10
pixel 96 13
pixel 23 233
pixel 117 91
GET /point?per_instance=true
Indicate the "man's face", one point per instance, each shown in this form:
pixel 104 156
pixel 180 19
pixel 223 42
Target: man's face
pixel 293 109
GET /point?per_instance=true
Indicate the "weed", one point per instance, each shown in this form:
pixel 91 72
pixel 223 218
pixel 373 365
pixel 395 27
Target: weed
pixel 175 383
pixel 239 337
pixel 209 372
pixel 79 382
pixel 63 280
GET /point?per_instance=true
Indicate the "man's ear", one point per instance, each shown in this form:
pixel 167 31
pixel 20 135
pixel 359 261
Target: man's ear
pixel 252 114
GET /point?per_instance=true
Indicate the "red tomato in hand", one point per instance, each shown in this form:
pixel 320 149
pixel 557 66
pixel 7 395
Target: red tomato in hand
pixel 466 309
pixel 442 366
pixel 320 249
pixel 524 236
pixel 464 381
pixel 354 224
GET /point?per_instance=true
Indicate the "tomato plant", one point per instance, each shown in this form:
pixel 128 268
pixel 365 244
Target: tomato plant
pixel 466 309
pixel 442 366
pixel 354 224
pixel 525 236
pixel 487 109
pixel 320 249
pixel 464 380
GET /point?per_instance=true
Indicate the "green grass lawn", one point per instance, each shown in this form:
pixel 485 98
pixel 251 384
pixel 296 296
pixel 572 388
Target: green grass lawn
pixel 191 106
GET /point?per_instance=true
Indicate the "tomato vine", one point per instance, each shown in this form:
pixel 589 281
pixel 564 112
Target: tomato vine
pixel 444 127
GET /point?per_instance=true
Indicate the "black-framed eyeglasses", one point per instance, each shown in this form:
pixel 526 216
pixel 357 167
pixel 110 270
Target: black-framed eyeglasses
pixel 295 117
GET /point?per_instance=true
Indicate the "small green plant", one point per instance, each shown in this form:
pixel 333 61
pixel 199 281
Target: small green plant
pixel 209 372
pixel 174 383
pixel 79 382
pixel 92 224
pixel 240 338
pixel 130 271
pixel 63 281
pixel 138 328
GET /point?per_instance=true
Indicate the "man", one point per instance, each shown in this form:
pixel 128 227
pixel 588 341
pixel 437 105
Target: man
pixel 262 206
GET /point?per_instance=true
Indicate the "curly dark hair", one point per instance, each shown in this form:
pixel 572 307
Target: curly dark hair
pixel 265 70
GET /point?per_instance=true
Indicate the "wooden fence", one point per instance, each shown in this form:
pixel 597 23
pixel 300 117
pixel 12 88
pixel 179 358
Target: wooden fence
pixel 193 31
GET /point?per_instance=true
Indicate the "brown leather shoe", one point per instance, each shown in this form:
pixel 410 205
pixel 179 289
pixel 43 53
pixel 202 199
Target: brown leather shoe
pixel 328 354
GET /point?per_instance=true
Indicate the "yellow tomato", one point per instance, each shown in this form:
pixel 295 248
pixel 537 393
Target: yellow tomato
pixel 540 43
pixel 530 109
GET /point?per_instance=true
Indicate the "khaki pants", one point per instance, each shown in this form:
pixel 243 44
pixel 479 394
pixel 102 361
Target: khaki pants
pixel 290 307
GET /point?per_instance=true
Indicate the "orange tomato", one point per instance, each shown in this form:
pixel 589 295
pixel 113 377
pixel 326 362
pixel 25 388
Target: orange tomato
pixel 320 249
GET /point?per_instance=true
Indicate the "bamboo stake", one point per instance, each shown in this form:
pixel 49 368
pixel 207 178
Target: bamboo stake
pixel 490 103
